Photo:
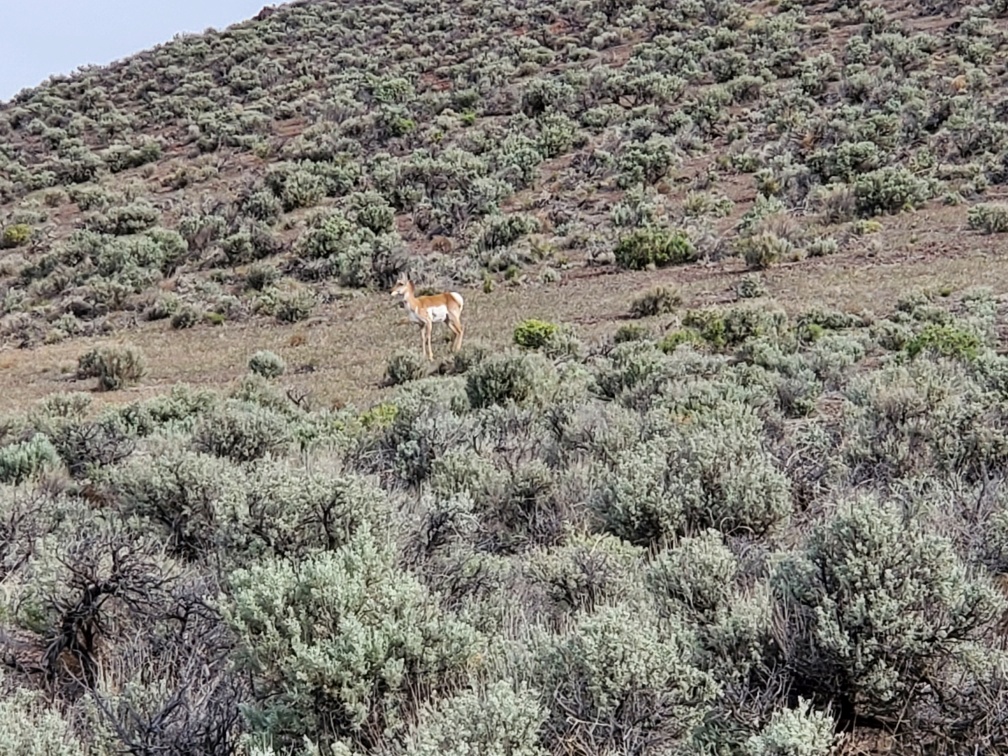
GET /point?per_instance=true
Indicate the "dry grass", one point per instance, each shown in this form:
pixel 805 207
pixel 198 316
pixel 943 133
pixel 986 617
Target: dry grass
pixel 338 356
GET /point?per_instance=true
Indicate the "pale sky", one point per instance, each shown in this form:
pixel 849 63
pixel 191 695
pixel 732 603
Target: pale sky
pixel 39 38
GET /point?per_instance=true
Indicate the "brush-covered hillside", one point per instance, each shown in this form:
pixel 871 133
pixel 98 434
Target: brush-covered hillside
pixel 720 469
pixel 275 171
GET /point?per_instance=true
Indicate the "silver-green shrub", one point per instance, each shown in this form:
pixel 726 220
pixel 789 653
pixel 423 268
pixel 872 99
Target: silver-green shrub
pixel 499 719
pixel 266 363
pixel 241 432
pixel 879 606
pixel 795 732
pixel 343 643
pixel 618 680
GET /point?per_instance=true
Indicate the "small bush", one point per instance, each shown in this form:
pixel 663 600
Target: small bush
pixel 260 276
pixel 21 461
pixel 533 333
pixel 185 317
pixel 655 246
pixel 114 367
pixel 696 576
pixel 763 249
pixel 619 684
pixel 879 608
pixel 241 432
pixel 504 378
pixel 659 301
pixel 795 732
pixel 402 367
pixel 267 364
pixel 889 190
pixel 16 235
pixel 500 719
pixel 631 332
pixel 945 340
pixel 751 287
pixel 989 217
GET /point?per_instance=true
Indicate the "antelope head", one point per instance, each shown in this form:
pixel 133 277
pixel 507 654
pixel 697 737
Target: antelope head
pixel 402 286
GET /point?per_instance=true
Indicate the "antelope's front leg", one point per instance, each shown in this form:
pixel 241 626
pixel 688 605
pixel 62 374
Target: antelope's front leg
pixel 428 327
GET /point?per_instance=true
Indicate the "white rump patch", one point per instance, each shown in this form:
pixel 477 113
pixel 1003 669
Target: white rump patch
pixel 438 313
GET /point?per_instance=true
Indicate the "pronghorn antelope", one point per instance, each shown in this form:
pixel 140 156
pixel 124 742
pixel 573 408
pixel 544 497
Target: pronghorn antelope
pixel 425 311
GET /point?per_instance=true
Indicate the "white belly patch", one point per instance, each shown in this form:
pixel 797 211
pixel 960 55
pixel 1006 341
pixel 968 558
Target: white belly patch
pixel 438 314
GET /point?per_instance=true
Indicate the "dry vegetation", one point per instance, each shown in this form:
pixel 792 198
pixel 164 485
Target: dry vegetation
pixel 721 468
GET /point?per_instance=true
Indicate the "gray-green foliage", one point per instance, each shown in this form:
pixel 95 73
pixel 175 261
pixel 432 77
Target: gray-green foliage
pixel 30 727
pixel 707 471
pixel 508 377
pixel 882 608
pixel 620 679
pixel 114 367
pixel 795 732
pixel 345 642
pixel 697 576
pixel 241 431
pixel 266 363
pixel 193 496
pixel 500 719
pixel 21 460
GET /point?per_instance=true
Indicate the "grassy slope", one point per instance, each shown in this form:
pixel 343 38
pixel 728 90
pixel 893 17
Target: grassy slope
pixel 456 113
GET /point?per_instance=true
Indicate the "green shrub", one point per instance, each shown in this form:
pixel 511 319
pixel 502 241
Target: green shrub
pixel 185 316
pixel 655 246
pixel 497 719
pixel 586 573
pixel 945 340
pixel 267 364
pixel 889 190
pixel 631 332
pixel 763 249
pixel 795 732
pixel 504 377
pixel 16 235
pixel 114 367
pixel 261 276
pixel 84 446
pixel 697 576
pixel 193 497
pixel 241 432
pixel 751 287
pixel 659 301
pixel 533 333
pixel 673 339
pixel 710 472
pixel 127 219
pixel 29 726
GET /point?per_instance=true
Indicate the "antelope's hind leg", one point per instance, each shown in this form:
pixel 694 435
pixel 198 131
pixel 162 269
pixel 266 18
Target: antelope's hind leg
pixel 455 323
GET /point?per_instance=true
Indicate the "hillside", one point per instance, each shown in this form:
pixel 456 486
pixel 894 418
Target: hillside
pixel 279 169
pixel 721 467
